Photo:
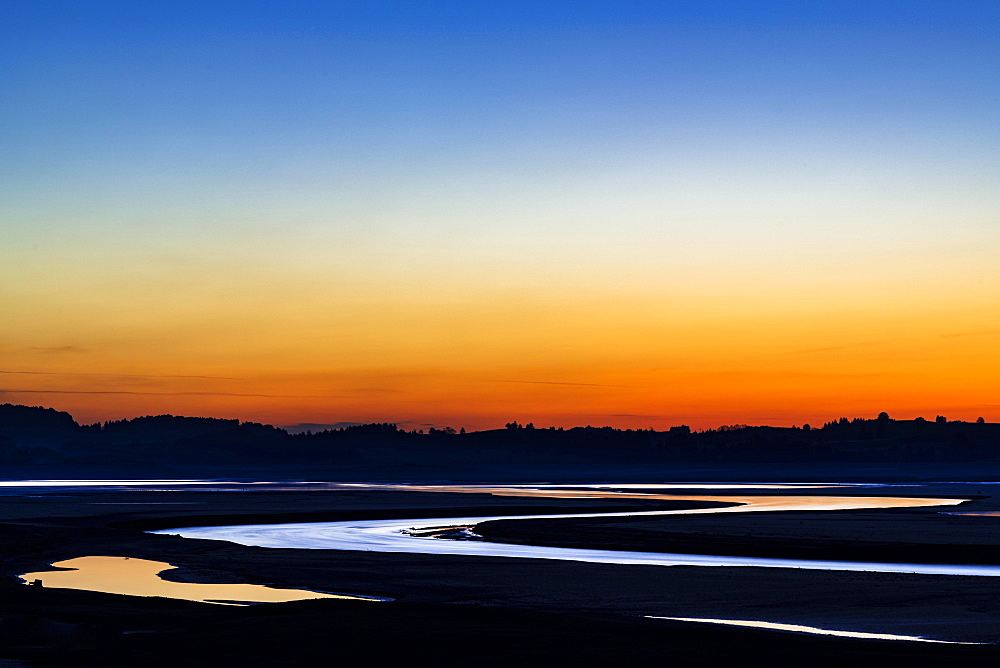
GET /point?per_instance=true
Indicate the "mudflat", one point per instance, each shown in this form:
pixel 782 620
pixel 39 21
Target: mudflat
pixel 452 610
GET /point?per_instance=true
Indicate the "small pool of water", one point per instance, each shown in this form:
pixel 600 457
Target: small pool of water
pixel 141 577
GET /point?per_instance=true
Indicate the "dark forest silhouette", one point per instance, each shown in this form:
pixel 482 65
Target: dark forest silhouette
pixel 36 440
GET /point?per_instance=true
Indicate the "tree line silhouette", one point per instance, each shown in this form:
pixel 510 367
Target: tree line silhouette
pixel 42 436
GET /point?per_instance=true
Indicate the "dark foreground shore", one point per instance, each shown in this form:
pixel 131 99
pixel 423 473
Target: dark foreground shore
pixel 63 627
pixel 457 610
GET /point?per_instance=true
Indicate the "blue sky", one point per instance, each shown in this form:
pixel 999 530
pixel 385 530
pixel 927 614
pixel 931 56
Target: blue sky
pixel 405 160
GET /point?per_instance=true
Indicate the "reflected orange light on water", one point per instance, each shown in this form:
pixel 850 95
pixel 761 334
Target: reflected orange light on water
pixel 741 503
pixel 140 577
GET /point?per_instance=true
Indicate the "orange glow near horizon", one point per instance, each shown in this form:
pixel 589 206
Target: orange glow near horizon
pixel 478 367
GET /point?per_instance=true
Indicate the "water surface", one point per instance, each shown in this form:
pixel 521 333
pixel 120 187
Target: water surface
pixel 140 577
pixel 424 536
pixel 799 628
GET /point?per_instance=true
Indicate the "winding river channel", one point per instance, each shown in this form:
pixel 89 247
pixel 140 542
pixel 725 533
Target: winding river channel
pixel 456 535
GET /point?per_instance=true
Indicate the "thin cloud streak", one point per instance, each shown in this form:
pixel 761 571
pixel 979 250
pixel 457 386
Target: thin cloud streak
pixel 551 382
pixel 114 375
pixel 764 373
pixel 985 332
pixel 651 417
pixel 171 394
pixel 863 344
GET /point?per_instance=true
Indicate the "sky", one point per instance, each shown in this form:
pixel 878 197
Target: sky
pixel 637 214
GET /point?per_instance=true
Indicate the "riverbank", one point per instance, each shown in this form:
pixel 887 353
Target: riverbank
pixel 450 610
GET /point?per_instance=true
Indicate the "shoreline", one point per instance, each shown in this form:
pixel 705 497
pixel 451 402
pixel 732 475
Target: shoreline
pixel 497 610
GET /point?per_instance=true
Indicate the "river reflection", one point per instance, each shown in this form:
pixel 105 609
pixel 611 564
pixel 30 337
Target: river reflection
pixel 140 577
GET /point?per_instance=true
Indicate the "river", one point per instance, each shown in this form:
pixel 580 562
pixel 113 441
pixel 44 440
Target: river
pixel 425 536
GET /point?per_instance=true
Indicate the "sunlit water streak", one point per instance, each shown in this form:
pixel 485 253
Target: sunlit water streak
pixel 140 577
pixel 321 484
pixel 799 628
pixel 417 536
pixel 685 485
pixel 108 483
